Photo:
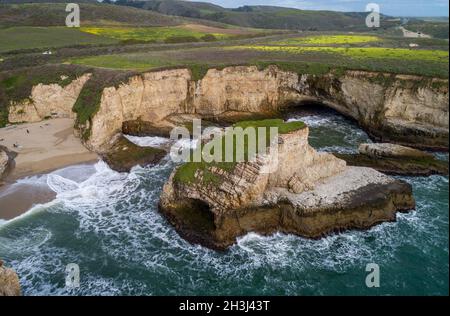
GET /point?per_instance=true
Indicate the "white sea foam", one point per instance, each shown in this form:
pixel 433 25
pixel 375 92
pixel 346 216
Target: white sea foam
pixel 148 141
pixel 312 120
pixel 118 213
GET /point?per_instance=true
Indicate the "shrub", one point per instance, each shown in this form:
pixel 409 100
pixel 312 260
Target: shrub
pixel 208 38
pixel 181 39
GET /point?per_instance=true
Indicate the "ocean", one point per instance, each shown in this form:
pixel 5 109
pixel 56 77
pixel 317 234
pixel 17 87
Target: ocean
pixel 108 224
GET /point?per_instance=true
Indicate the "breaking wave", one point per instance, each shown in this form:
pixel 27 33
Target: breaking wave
pixel 108 223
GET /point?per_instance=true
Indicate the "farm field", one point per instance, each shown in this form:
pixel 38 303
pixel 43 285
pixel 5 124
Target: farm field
pixel 124 62
pixel 330 39
pixel 360 52
pixel 429 62
pixel 153 34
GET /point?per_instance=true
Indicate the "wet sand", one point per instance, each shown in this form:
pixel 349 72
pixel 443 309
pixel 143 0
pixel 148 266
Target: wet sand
pixel 16 199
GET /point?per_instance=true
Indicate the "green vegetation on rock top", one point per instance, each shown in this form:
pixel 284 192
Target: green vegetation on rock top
pixel 186 172
pixel 88 102
pixel 16 86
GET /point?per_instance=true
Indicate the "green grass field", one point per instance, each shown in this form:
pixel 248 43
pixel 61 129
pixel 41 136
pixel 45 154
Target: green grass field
pixel 330 39
pixel 149 34
pixel 24 37
pixel 123 62
pixel 357 52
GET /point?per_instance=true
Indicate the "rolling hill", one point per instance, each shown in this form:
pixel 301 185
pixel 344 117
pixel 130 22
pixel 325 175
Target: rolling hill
pixel 268 17
pixel 92 13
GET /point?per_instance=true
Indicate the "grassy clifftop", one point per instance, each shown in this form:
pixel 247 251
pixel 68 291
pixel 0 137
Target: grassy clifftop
pixel 186 172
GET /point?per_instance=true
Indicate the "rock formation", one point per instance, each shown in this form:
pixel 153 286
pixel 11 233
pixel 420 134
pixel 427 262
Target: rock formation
pixel 9 282
pixel 6 162
pixel 404 109
pixel 396 160
pixel 387 150
pixel 124 155
pixel 47 101
pixel 309 194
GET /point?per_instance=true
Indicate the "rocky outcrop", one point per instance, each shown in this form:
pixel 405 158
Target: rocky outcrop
pixel 387 150
pixel 124 155
pixel 47 101
pixel 153 97
pixel 396 160
pixel 6 162
pixel 9 282
pixel 403 109
pixel 305 193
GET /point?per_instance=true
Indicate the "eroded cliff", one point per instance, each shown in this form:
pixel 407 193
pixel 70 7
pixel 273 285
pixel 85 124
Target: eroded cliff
pixel 46 101
pixel 305 193
pixel 404 109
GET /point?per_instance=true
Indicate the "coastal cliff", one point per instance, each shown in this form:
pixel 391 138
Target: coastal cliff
pixel 404 109
pixel 46 101
pixel 308 193
pixel 396 108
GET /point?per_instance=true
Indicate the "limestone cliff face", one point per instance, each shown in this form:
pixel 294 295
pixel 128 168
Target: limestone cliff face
pixel 304 192
pixel 397 108
pixel 243 89
pixel 152 97
pixel 297 167
pixel 149 97
pixel 403 109
pixel 4 160
pixel 47 101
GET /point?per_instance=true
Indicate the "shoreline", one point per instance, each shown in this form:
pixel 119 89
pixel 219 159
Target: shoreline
pixel 18 198
pixel 42 148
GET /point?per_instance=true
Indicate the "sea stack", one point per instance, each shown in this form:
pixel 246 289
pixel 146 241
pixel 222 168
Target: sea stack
pixel 309 194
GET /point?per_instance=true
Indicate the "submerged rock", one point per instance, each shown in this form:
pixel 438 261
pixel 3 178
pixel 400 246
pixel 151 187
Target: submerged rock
pixel 9 282
pixel 396 160
pixel 124 155
pixel 387 150
pixel 309 194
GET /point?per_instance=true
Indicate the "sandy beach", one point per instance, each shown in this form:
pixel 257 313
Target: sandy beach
pixel 44 146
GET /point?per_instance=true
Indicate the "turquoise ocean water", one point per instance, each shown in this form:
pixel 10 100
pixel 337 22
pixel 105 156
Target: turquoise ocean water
pixel 108 224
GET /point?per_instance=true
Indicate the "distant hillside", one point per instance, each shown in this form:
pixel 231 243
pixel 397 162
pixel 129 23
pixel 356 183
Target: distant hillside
pixel 257 16
pixel 54 14
pixel 45 1
pixel 437 28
